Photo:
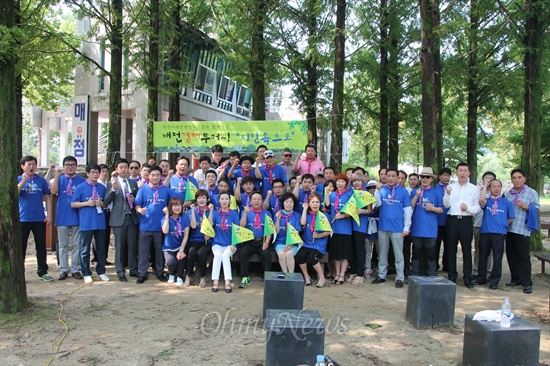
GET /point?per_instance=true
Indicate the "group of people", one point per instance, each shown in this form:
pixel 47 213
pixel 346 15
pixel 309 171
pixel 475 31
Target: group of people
pixel 157 215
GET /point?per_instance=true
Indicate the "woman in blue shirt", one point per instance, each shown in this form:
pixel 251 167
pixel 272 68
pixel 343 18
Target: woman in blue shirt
pixel 198 248
pixel 175 227
pixel 286 216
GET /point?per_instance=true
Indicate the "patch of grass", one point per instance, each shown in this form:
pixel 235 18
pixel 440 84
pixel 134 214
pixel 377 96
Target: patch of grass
pixel 165 354
pixel 35 313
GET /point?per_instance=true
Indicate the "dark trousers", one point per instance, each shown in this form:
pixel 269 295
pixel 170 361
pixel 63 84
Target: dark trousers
pixel 175 266
pixel 38 229
pixel 148 240
pixel 424 246
pixel 308 255
pixel 86 237
pixel 106 240
pixel 357 257
pixel 441 237
pixel 197 253
pixel 488 242
pixel 249 248
pixel 407 242
pixel 460 230
pixel 126 246
pixel 517 253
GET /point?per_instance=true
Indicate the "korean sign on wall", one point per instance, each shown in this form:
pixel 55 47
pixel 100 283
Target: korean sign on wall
pixel 195 136
pixel 81 116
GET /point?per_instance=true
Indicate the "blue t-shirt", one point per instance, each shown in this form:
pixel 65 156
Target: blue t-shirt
pixel 31 208
pixel 223 237
pixel 88 217
pixel 424 223
pixel 307 236
pixel 175 186
pixel 258 231
pixel 442 217
pixel 275 204
pixel 145 197
pixel 195 235
pixel 245 201
pixel 238 173
pixel 497 223
pixel 392 210
pixel 65 215
pixel 276 171
pixel 341 226
pixel 294 220
pixel 303 197
pixel 172 241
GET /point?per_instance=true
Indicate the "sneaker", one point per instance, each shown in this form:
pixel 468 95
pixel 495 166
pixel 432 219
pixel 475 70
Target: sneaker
pixel 171 279
pixel 46 278
pixel 88 279
pixel 245 282
pixel 399 284
pixel 368 272
pixel 104 277
pixel 180 281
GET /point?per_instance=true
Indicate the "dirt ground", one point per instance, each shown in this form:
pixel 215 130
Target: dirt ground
pixel 160 324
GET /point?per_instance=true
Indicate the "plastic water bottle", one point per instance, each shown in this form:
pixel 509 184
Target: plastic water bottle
pixel 320 360
pixel 505 313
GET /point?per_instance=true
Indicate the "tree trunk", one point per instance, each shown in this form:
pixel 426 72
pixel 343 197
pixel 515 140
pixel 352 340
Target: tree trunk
pixel 532 62
pixel 338 94
pixel 257 66
pixel 153 75
pixel 115 84
pixel 384 41
pixel 312 66
pixel 429 58
pixel 438 100
pixel 394 95
pixel 175 65
pixel 13 291
pixel 471 145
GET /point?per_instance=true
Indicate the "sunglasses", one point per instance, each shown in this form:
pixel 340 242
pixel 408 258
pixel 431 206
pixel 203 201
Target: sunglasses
pixel 425 177
pixel 287 155
pixel 134 167
pixel 371 187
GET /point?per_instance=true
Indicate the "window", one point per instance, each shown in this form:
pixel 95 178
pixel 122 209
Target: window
pixel 225 90
pixel 205 79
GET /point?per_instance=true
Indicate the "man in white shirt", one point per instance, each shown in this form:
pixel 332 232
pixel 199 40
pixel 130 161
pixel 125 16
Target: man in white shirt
pixel 462 200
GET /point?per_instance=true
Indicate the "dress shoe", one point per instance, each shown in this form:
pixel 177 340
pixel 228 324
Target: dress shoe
pixel 527 289
pixel 77 275
pixel 452 279
pixel 122 278
pixel 468 283
pixel 378 280
pixel 162 278
pixel 63 276
pixel 141 279
pixel 399 284
pixel 493 287
pixel 513 283
pixel 134 275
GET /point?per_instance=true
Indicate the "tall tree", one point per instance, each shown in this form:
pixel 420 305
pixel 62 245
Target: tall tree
pixel 115 82
pixel 384 74
pixel 338 92
pixel 431 84
pixel 536 23
pixel 13 292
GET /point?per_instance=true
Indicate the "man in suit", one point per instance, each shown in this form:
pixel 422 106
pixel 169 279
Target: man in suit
pixel 121 192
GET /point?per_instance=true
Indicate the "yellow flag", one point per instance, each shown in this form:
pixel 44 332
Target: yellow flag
pixel 322 223
pixel 363 198
pixel 351 209
pixel 206 227
pixel 292 235
pixel 269 226
pixel 233 204
pixel 190 191
pixel 240 234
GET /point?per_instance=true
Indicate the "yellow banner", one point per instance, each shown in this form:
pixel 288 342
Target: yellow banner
pixel 363 198
pixel 206 227
pixel 241 234
pixel 292 235
pixel 351 209
pixel 245 136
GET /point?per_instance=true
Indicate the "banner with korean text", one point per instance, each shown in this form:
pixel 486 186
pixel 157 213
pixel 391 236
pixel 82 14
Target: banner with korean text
pixel 245 136
pixel 81 115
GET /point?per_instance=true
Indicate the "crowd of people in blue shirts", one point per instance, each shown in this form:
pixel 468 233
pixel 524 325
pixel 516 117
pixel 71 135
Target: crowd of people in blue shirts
pixel 319 220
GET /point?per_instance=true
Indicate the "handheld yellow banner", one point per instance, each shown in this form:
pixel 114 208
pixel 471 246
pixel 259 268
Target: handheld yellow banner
pixel 322 223
pixel 240 234
pixel 206 227
pixel 363 198
pixel 190 191
pixel 292 235
pixel 351 209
